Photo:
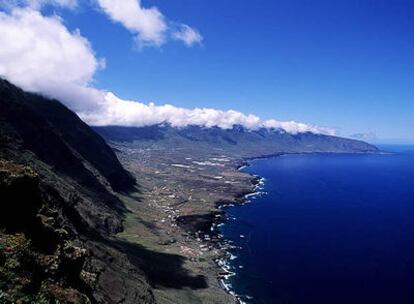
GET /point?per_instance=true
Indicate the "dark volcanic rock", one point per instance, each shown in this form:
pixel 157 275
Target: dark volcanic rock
pixel 58 208
pixel 59 138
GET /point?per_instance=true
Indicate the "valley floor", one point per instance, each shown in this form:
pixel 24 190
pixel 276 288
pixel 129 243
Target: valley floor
pixel 168 229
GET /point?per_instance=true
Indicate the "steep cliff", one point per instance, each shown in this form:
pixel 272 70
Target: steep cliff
pixel 58 184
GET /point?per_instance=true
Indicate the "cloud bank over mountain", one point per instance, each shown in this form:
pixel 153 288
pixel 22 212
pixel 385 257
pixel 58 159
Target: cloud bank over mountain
pixel 39 54
pixel 131 113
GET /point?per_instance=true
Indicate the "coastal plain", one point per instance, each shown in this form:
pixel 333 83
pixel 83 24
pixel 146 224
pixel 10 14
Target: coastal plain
pixel 185 176
pixel 175 212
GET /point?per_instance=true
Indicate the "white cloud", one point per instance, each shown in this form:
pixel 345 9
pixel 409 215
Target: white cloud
pixel 149 25
pixel 297 127
pixel 188 35
pixel 37 4
pixel 41 55
pixel 121 112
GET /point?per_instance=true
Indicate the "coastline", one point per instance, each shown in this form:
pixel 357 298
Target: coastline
pixel 257 184
pixel 241 199
pixel 223 262
pixel 178 211
pixel 287 171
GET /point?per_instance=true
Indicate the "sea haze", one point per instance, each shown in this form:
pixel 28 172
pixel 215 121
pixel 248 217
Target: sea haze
pixel 331 228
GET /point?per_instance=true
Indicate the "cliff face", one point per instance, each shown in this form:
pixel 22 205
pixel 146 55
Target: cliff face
pixel 59 138
pixel 58 208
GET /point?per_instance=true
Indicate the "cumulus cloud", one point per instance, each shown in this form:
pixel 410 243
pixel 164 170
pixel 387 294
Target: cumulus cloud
pixel 39 54
pixel 149 25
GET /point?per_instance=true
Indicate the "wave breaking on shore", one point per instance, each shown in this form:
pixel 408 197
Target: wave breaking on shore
pixel 224 262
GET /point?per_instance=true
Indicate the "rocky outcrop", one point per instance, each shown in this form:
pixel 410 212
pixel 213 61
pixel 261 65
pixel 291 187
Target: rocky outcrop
pixel 40 257
pixel 59 138
pixel 59 208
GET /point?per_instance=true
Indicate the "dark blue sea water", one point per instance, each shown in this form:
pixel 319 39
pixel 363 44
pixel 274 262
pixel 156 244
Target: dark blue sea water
pixel 331 229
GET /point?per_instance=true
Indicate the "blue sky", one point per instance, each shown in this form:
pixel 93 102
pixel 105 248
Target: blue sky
pixel 345 64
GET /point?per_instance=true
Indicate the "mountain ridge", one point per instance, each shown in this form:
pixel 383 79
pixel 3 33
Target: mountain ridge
pixel 239 140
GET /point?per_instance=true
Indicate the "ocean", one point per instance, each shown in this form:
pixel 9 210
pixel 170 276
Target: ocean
pixel 329 228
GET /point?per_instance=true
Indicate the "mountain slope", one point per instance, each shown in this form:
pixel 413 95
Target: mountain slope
pixel 59 209
pixel 59 128
pixel 238 140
